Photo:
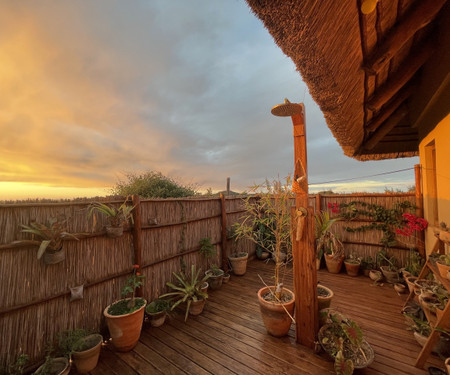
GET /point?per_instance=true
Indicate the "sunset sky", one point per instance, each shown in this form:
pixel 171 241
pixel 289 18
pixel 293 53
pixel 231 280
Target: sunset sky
pixel 91 90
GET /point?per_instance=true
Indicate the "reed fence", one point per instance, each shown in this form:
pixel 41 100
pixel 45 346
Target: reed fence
pixel 35 298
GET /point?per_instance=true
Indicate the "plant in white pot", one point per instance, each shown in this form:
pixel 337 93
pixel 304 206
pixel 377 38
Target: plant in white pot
pixel 157 311
pixel 51 237
pixel 272 207
pixel 125 317
pixel 117 217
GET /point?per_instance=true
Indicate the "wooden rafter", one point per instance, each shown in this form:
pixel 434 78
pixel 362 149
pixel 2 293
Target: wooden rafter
pixel 404 73
pixel 416 19
pixel 384 114
pixel 387 126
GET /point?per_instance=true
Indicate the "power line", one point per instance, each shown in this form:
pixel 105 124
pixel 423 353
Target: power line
pixel 358 178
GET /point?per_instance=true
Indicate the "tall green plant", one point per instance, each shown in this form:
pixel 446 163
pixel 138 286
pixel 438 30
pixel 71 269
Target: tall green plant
pixel 269 204
pixel 326 240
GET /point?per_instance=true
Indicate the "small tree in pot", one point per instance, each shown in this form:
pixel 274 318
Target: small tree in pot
pixel 272 207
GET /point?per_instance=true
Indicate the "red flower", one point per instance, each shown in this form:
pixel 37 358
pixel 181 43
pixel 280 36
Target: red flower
pixel 138 274
pixel 136 266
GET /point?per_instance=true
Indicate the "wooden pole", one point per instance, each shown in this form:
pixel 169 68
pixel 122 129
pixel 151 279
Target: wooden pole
pixel 318 203
pixel 137 233
pixel 224 233
pixel 228 185
pixel 305 274
pixel 419 210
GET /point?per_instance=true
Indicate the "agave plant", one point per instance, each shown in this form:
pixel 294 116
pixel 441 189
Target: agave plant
pixel 52 234
pixel 188 289
pixel 326 240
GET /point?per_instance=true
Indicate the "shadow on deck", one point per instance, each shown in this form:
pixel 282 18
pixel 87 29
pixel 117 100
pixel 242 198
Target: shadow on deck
pixel 230 338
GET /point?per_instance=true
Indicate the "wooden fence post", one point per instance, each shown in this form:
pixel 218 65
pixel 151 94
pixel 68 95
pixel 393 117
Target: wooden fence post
pixel 224 233
pixel 137 232
pixel 318 203
pixel 420 242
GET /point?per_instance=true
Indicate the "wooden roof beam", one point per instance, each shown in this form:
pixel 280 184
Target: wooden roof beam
pixel 414 20
pixel 389 109
pixel 403 74
pixel 384 129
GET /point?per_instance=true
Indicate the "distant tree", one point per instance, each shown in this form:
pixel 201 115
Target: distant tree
pixel 152 185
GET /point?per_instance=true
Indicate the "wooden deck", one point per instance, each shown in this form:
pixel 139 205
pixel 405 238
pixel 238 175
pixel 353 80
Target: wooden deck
pixel 230 338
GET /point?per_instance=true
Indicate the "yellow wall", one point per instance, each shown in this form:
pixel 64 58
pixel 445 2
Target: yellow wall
pixel 439 140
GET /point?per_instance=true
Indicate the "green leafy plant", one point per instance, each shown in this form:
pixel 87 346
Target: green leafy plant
pixel 326 241
pixel 51 234
pixel 353 258
pixel 367 263
pixel 116 216
pixel 17 367
pixel 385 219
pixel 215 270
pixel 71 341
pixel 126 306
pixel 207 249
pixel 158 305
pixel 270 205
pixel 414 263
pixel 383 259
pixel 187 290
pixel 153 185
pixel 445 259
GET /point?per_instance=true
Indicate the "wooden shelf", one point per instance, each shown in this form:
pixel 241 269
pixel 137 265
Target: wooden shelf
pixel 444 320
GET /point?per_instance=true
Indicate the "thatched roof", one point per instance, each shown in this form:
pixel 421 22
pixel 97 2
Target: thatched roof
pixel 381 79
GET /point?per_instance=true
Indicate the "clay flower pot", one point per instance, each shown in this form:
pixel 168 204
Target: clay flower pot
pixel 239 263
pixel 324 296
pixel 226 278
pixel 333 265
pixel 157 319
pixel 375 275
pixel 125 329
pixel 400 288
pixel 196 307
pixel 86 360
pixel 410 282
pixel 352 268
pixel 215 281
pixel 275 318
pixel 58 366
pixel 392 277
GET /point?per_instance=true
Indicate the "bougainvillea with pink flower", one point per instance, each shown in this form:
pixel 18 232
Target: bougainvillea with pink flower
pixel 334 207
pixel 411 223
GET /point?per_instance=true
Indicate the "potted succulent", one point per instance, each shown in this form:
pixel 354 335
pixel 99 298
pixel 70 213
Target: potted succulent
pixel 81 347
pixel 389 268
pixel 342 339
pixel 352 264
pixel 52 235
pixel 188 291
pixel 157 311
pixel 125 317
pixel 444 233
pixel 117 217
pixel 328 243
pixel 271 205
pixel 214 277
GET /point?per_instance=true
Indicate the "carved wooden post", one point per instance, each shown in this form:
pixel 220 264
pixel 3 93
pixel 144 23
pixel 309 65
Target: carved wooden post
pixel 305 273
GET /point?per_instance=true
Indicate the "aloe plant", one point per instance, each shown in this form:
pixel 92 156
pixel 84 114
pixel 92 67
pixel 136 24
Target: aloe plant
pixel 51 234
pixel 188 289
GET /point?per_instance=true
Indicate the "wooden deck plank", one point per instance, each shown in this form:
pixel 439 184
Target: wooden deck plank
pixel 230 338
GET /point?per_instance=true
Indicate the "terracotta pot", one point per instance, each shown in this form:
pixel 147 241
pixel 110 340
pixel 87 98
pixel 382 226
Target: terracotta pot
pixel 114 232
pixel 264 255
pixel 204 287
pixel 215 282
pixel 59 366
pixel 392 277
pixel 375 275
pixel 54 257
pixel 410 282
pixel 238 263
pixel 125 330
pixel 86 360
pixel 324 302
pixel 333 265
pixel 443 269
pixel 226 278
pixel 400 288
pixel 352 268
pixel 196 307
pixel 275 318
pixel 157 319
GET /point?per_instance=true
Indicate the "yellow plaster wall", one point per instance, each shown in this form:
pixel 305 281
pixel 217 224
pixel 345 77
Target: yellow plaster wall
pixel 441 137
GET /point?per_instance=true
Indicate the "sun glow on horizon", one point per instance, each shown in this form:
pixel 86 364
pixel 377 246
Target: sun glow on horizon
pixel 25 190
